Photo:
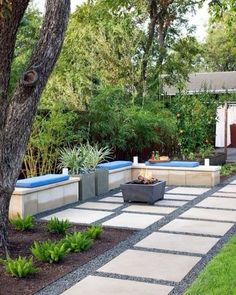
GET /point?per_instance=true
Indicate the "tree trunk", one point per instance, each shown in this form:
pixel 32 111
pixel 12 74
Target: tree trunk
pixel 150 37
pixel 17 112
pixel 5 196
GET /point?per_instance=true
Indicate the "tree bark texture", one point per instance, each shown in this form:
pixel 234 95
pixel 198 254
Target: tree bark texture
pixel 160 20
pixel 17 112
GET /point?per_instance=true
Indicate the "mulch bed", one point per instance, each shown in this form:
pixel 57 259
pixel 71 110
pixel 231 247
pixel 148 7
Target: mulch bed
pixel 20 243
pixel 224 178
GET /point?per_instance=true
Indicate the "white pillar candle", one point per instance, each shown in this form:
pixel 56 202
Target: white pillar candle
pixel 207 162
pixel 65 171
pixel 135 160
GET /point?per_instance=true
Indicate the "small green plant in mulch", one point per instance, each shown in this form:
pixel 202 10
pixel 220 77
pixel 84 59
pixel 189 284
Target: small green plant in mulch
pixel 78 242
pixel 228 169
pixel 49 251
pixel 54 225
pixel 94 231
pixel 22 223
pixel 219 276
pixel 20 267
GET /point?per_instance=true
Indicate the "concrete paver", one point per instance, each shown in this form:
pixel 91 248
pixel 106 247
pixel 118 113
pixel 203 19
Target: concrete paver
pixel 132 220
pixel 94 285
pixel 112 199
pixel 210 214
pixel 149 209
pixel 178 242
pixel 226 195
pixel 197 227
pixel 118 194
pixel 171 203
pixel 79 216
pixel 188 190
pixel 160 266
pixel 179 197
pixel 228 188
pixel 96 205
pixel 222 203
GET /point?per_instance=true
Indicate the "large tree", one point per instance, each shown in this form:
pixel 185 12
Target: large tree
pixel 18 109
pixel 220 46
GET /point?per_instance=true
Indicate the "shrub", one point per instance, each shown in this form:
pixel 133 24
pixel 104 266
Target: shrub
pixel 73 159
pixel 94 155
pixel 94 231
pixel 78 242
pixel 55 225
pixel 195 122
pixel 22 223
pixel 49 251
pixel 20 267
pixel 228 169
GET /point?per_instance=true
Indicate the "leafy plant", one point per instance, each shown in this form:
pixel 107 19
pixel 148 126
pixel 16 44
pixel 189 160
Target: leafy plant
pixel 94 231
pixel 55 225
pixel 49 251
pixel 206 151
pixel 228 169
pixel 22 223
pixel 94 155
pixel 73 159
pixel 196 120
pixel 49 132
pixel 20 267
pixel 78 242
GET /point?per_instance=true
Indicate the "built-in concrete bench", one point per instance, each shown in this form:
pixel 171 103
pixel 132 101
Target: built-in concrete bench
pixel 41 180
pixel 119 172
pixel 43 194
pixel 186 173
pixel 208 176
pixel 179 164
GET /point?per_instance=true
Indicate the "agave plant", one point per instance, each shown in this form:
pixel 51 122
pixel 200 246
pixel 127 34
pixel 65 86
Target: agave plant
pixel 72 159
pixel 94 155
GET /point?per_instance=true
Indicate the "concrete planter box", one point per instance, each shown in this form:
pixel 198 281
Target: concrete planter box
pixel 87 186
pixel 148 193
pixel 101 181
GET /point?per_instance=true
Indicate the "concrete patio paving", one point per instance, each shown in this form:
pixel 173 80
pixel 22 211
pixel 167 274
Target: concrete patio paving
pixel 174 238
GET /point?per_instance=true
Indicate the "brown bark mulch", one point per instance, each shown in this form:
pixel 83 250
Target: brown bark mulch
pixel 20 243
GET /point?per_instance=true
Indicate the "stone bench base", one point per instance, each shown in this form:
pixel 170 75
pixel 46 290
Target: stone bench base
pixel 196 176
pixel 119 176
pixel 39 199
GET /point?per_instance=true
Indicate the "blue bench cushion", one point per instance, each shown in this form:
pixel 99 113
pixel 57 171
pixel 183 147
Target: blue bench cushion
pixel 41 180
pixel 174 164
pixel 114 165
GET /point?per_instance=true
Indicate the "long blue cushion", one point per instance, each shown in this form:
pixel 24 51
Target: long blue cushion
pixel 114 165
pixel 41 180
pixel 174 164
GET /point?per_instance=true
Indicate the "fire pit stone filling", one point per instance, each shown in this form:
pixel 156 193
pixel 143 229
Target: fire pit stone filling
pixel 143 189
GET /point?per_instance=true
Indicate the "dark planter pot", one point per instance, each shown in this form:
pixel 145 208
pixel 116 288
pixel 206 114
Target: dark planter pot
pixel 216 159
pixel 101 181
pixel 87 186
pixel 148 193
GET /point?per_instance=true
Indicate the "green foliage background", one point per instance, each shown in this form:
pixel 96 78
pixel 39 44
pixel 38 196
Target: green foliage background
pixel 92 94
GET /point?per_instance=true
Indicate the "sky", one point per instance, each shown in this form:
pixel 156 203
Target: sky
pixel 199 20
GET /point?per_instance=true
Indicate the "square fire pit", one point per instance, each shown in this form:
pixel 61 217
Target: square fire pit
pixel 147 193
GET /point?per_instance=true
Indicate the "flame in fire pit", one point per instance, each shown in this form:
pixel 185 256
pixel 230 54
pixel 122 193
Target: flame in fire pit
pixel 145 177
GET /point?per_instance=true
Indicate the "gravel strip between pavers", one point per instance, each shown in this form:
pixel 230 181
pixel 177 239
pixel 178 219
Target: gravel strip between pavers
pixel 90 268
